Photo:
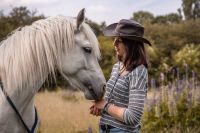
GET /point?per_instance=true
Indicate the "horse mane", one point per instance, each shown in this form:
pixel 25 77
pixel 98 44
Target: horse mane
pixel 36 49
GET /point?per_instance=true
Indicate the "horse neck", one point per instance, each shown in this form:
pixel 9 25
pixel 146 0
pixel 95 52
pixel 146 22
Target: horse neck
pixel 25 95
pixel 22 94
pixel 22 97
pixel 8 116
pixel 24 102
pixel 27 92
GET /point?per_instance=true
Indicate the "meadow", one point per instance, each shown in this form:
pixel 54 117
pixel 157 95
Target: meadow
pixel 172 106
pixel 64 112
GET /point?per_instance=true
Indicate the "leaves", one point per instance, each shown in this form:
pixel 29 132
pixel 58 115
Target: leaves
pixel 18 17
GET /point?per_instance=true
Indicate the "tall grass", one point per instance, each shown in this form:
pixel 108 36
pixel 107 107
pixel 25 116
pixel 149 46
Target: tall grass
pixel 64 112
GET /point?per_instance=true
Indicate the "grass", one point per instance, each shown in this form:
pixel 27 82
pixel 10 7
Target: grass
pixel 64 112
pixel 68 112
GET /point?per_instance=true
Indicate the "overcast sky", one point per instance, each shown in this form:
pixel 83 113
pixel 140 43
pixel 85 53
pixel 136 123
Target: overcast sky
pixel 96 10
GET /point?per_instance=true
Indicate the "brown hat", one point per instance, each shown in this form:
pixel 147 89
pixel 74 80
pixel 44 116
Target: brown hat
pixel 129 29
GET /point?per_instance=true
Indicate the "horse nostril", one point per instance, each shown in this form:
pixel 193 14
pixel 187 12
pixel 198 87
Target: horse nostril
pixel 104 88
pixel 90 87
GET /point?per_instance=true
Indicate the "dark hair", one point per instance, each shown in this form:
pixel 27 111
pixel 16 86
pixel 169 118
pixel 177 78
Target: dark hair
pixel 135 54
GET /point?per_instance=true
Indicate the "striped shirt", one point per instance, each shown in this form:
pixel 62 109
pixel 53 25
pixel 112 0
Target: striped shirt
pixel 129 92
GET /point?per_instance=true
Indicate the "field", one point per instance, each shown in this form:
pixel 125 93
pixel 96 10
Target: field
pixel 64 112
pixel 174 108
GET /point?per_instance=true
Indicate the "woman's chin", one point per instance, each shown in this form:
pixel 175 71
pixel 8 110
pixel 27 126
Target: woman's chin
pixel 118 54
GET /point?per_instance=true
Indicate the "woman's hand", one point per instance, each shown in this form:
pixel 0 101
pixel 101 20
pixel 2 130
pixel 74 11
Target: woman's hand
pixel 100 104
pixel 114 111
pixel 97 107
pixel 95 111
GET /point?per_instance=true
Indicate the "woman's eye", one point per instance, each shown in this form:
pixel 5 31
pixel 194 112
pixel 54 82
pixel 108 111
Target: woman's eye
pixel 87 49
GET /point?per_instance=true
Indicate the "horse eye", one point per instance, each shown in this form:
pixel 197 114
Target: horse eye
pixel 87 49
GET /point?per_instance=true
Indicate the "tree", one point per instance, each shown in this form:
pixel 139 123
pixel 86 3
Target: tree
pixel 102 26
pixel 187 8
pixel 18 17
pixel 4 28
pixel 173 18
pixel 95 26
pixel 189 55
pixel 143 17
pixel 196 10
pixel 191 9
pixel 167 19
pixel 21 16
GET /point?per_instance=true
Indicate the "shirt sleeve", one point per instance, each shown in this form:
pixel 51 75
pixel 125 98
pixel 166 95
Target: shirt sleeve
pixel 137 95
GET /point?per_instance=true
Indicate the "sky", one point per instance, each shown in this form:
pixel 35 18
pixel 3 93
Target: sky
pixel 109 11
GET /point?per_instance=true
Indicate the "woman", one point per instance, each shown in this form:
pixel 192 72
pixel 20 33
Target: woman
pixel 126 89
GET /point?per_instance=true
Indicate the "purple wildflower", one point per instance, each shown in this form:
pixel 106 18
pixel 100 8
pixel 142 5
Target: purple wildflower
pixel 153 83
pixel 177 72
pixel 193 79
pixel 189 99
pixel 162 77
pixel 186 71
pixel 90 129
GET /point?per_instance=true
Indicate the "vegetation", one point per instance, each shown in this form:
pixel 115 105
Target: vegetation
pixel 18 17
pixel 173 106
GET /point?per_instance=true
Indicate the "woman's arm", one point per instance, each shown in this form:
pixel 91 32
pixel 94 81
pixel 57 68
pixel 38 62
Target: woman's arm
pixel 115 111
pixel 137 95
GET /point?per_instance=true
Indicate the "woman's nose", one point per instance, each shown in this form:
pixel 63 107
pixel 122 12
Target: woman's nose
pixel 115 43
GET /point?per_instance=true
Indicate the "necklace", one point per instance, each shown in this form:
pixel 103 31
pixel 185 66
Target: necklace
pixel 121 70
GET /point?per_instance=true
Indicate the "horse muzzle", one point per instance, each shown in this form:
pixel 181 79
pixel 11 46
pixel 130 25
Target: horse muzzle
pixel 94 93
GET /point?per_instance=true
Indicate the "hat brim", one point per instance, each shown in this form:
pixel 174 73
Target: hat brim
pixel 109 31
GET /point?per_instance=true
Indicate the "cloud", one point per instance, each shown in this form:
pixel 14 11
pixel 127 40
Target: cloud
pixel 164 7
pixel 26 2
pixel 29 2
pixel 135 4
pixel 6 2
pixel 97 8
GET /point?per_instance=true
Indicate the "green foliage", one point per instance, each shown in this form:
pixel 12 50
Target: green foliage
pixel 189 55
pixel 168 40
pixel 108 55
pixel 97 29
pixel 196 10
pixel 191 9
pixel 160 119
pixel 167 19
pixel 18 17
pixel 188 31
pixel 187 8
pixel 143 17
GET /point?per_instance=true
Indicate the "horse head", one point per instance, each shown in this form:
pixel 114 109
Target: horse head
pixel 80 64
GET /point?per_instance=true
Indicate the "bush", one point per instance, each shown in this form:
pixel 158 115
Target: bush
pixel 174 107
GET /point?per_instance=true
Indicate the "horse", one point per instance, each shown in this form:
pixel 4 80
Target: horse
pixel 31 53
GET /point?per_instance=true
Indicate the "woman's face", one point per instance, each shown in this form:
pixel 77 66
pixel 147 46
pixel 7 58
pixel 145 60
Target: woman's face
pixel 119 47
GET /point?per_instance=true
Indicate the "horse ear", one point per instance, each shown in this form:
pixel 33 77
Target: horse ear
pixel 80 17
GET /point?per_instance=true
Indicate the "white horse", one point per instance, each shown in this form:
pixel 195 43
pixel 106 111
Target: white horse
pixel 33 52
